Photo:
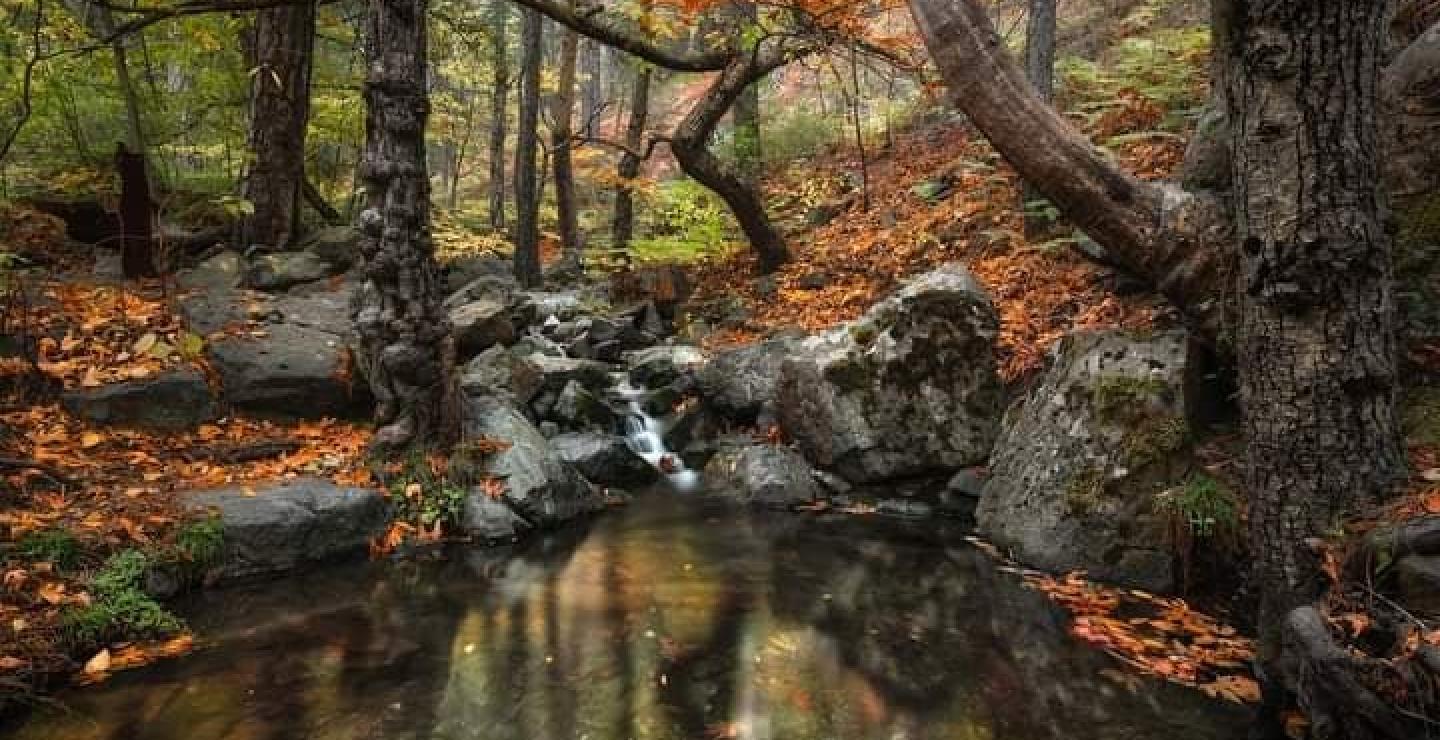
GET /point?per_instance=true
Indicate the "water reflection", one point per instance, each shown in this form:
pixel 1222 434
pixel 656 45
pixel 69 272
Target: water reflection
pixel 669 621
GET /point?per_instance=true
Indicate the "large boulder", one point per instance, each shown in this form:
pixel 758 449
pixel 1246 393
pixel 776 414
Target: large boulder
pixel 579 409
pixel 337 246
pixel 661 366
pixel 910 389
pixel 762 475
pixel 282 270
pixel 605 459
pixel 480 325
pixel 289 370
pixel 224 271
pixel 498 371
pixel 558 372
pixel 541 490
pixel 279 527
pixel 174 399
pixel 739 383
pixel 1417 584
pixel 1079 464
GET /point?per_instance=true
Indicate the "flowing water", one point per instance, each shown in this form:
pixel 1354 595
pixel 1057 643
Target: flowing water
pixel 646 436
pixel 672 619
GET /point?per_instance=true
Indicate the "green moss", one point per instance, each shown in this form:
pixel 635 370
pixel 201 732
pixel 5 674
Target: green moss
pixel 1155 439
pixel 1118 397
pixel 1085 490
pixel 863 334
pixel 119 608
pixel 50 545
pixel 200 543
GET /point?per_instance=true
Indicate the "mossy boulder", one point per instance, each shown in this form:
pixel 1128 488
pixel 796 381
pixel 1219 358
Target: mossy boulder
pixel 908 390
pixel 1080 462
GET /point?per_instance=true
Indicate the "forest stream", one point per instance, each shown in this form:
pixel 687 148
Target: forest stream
pixel 672 618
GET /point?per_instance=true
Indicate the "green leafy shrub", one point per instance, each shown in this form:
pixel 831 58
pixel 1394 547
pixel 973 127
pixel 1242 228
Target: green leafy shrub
pixel 1205 508
pixel 425 499
pixel 684 222
pixel 50 545
pixel 119 608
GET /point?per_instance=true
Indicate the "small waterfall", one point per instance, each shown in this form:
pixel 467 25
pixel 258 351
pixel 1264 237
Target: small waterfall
pixel 646 436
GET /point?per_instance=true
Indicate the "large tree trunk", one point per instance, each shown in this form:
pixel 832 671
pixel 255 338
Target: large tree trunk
pixel 1175 240
pixel 562 111
pixel 407 350
pixel 499 109
pixel 1315 334
pixel 137 216
pixel 279 114
pixel 629 167
pixel 527 194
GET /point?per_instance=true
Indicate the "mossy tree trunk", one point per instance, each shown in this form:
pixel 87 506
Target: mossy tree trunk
pixel 407 350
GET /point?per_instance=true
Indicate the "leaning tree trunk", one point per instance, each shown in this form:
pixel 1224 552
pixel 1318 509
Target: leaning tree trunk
pixel 1176 241
pixel 1315 333
pixel 279 114
pixel 406 347
pixel 527 194
pixel 629 167
pixel 499 102
pixel 690 145
pixel 562 113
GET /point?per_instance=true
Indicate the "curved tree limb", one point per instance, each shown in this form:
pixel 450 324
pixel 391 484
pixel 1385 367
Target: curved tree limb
pixel 1175 240
pixel 593 20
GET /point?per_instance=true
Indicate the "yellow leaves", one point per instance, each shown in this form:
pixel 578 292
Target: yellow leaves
pixel 98 665
pixel 90 440
pixel 134 655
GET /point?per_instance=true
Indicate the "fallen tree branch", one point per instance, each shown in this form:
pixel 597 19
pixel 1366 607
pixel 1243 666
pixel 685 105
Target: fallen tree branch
pixel 49 471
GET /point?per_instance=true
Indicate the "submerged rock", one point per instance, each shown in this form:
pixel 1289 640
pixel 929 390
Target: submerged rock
pixel 275 528
pixel 762 475
pixel 1079 465
pixel 910 389
pixel 541 490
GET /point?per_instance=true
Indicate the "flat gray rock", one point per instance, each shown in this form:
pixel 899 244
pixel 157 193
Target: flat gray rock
pixel 762 475
pixel 174 399
pixel 274 528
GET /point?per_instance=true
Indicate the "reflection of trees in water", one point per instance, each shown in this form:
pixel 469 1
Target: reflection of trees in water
pixel 816 629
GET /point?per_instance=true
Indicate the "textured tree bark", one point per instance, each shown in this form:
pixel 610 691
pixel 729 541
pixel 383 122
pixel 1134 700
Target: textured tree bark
pixel 1040 70
pixel 137 216
pixel 623 225
pixel 690 144
pixel 279 114
pixel 526 235
pixel 1315 334
pixel 562 113
pixel 499 109
pixel 1177 241
pixel 406 347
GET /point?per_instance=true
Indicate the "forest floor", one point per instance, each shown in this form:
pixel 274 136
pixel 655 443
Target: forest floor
pixel 78 492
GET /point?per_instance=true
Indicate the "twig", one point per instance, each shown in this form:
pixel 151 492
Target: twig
pixel 50 471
